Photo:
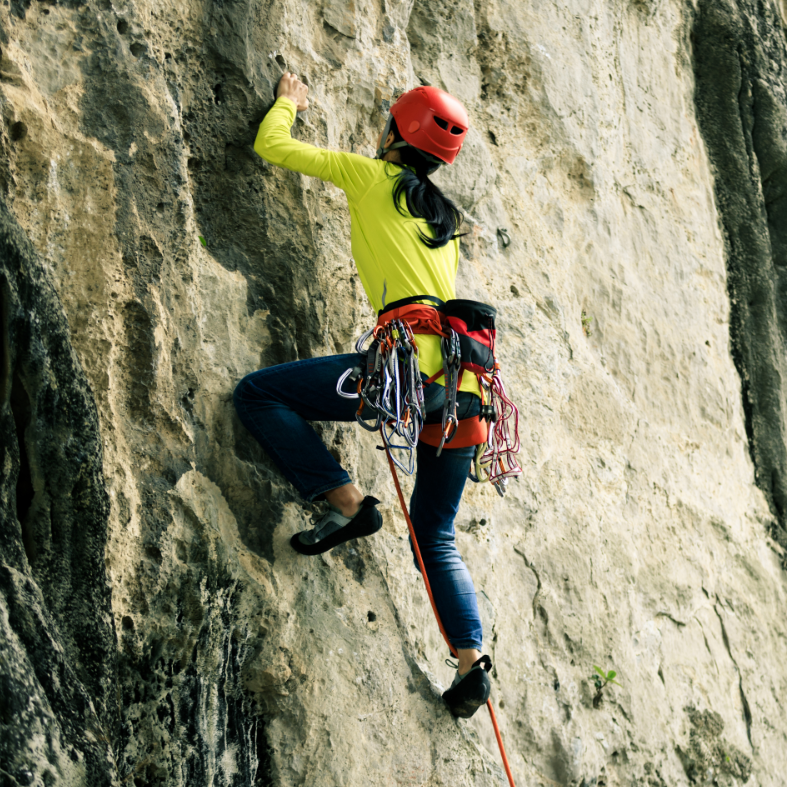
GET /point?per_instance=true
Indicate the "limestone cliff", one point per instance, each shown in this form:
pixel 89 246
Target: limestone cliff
pixel 625 191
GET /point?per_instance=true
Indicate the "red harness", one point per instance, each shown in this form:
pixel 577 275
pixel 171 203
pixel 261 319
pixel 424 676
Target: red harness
pixel 425 319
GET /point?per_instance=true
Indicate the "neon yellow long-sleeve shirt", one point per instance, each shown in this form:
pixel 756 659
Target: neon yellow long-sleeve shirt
pixel 391 259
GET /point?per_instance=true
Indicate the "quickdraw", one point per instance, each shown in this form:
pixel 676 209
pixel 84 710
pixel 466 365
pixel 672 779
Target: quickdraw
pixel 452 370
pixel 495 460
pixel 390 385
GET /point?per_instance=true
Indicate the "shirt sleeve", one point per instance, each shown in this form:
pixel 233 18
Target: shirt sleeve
pixel 350 172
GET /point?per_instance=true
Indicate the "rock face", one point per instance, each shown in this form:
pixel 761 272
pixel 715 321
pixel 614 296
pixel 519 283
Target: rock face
pixel 741 77
pixel 156 627
pixel 58 709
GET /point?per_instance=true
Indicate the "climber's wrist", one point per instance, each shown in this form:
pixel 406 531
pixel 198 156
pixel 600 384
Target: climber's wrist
pixel 289 97
pixel 292 88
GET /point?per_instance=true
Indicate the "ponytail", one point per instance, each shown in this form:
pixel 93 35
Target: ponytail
pixel 423 199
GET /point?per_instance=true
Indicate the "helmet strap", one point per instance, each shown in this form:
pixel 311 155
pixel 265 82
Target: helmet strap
pixel 382 150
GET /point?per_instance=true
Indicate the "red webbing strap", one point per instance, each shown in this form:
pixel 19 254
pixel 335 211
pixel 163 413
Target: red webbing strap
pixel 471 431
pixel 434 606
pixel 431 379
pixel 421 318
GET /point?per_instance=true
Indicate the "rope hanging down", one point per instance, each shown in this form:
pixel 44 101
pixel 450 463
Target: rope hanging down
pixel 406 513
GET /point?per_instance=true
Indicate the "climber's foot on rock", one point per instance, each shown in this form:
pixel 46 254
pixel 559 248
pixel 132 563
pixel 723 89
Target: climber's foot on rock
pixel 333 529
pixel 470 691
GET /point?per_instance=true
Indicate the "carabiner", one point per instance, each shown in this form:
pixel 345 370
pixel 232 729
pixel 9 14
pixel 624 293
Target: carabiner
pixel 360 343
pixel 445 438
pixel 355 370
pixel 366 426
pixel 482 468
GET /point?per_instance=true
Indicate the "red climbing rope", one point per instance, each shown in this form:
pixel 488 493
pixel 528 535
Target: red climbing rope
pixel 434 607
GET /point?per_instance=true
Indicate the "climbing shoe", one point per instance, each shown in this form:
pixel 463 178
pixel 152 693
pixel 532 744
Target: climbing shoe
pixel 470 691
pixel 333 529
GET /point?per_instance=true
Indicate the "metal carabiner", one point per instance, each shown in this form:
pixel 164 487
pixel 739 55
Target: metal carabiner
pixel 500 486
pixel 392 447
pixel 447 425
pixel 353 374
pixel 413 424
pixel 360 343
pixel 482 469
pixel 397 389
pixel 385 399
pixel 366 426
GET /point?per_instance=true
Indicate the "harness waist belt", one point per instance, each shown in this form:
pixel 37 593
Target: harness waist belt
pixel 421 317
pixel 470 431
pixel 471 322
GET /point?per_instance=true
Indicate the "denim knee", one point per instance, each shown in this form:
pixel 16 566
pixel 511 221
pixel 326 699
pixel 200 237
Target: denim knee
pixel 247 391
pixel 238 393
pixel 440 551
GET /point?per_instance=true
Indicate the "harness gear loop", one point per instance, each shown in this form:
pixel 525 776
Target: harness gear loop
pixel 391 463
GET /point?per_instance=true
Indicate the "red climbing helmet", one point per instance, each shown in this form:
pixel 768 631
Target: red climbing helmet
pixel 432 121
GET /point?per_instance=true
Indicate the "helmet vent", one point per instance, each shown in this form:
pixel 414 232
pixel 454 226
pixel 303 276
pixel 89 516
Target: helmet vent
pixel 455 130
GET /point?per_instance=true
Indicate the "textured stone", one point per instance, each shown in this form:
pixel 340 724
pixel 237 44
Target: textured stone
pixel 58 655
pixel 156 627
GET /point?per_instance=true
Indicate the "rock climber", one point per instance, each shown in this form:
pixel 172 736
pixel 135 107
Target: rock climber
pixel 404 242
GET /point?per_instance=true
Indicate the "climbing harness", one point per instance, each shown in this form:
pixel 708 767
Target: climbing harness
pixel 389 384
pixel 392 464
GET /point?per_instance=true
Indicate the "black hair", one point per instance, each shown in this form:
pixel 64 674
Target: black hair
pixel 424 200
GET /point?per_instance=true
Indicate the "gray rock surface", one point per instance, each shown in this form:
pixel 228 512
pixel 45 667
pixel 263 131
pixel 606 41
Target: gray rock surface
pixel 156 627
pixel 58 651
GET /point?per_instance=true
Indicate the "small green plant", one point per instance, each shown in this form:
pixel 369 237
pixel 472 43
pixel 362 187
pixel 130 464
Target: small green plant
pixel 202 241
pixel 600 680
pixel 586 321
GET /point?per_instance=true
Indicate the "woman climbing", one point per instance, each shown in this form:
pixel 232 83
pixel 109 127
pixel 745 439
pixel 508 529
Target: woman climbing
pixel 404 243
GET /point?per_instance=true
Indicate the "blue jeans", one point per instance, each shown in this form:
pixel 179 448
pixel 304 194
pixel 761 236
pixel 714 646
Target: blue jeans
pixel 275 404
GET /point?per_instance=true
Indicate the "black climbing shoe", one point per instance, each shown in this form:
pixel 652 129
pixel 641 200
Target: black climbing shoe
pixel 470 691
pixel 333 529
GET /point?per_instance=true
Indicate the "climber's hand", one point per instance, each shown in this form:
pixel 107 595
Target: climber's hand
pixel 291 87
